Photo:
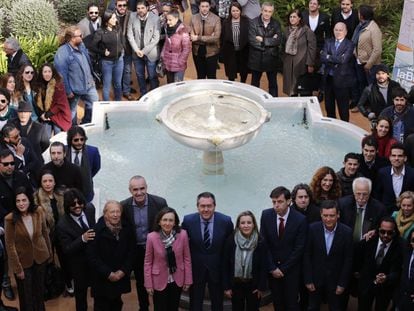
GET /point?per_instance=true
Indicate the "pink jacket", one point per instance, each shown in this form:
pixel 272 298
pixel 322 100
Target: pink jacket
pixel 156 266
pixel 176 50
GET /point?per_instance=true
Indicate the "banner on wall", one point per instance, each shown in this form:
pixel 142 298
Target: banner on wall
pixel 403 71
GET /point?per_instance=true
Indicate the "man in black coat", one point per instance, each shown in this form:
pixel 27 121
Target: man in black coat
pixel 302 201
pixel 16 58
pixel 67 175
pixel 328 259
pixel 347 15
pixel 378 266
pixel 264 47
pixel 74 231
pixel 406 296
pixel 139 211
pixel 34 131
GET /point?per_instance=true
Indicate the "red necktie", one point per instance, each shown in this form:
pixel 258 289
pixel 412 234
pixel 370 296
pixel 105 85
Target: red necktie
pixel 281 227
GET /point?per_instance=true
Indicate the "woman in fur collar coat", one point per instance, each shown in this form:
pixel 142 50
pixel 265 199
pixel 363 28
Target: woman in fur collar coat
pixel 52 103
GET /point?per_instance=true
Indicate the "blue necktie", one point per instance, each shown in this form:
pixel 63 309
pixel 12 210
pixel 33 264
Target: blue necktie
pixel 337 43
pixel 206 240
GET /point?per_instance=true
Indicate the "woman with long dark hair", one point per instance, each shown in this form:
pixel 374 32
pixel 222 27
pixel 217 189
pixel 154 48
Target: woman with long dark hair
pixel 9 83
pixel 25 88
pixel 383 133
pixel 234 43
pixel 300 51
pixel 167 263
pixel 51 100
pixel 28 248
pixel 108 43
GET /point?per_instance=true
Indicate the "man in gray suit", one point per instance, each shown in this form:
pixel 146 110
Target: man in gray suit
pixel 143 35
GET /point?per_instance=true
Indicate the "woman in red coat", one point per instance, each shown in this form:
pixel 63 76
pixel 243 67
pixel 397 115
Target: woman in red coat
pixel 167 263
pixel 177 47
pixel 52 103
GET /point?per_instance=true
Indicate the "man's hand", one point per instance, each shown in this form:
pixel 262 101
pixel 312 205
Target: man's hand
pixel 259 39
pixel 228 293
pixel 311 287
pixel 140 53
pixel 339 290
pixel 20 149
pixel 277 273
pixel 88 235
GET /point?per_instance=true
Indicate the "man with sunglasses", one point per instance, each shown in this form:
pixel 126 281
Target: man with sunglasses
pixel 378 266
pixel 86 157
pixel 90 23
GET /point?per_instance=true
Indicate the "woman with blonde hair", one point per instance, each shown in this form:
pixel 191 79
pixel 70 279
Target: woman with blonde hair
pixel 404 217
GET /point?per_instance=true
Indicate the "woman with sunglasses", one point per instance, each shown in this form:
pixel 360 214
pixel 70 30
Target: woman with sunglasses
pixel 9 82
pixel 25 79
pixel 51 100
pixel 6 112
pixel 405 214
pixel 28 248
pixel 108 42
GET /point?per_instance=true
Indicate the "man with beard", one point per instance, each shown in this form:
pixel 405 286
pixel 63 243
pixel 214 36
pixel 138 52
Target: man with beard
pixel 143 35
pixel 345 14
pixel 90 23
pixel 67 175
pixel 74 233
pixel 74 65
pixel 25 157
pixel 86 157
pixel 6 113
pixel 401 114
pixel 34 131
pixel 377 95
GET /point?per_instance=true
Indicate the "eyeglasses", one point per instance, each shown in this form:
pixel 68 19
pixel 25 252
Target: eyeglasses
pixel 78 139
pixel 121 5
pixel 386 232
pixel 29 72
pixel 8 163
pixel 3 101
pixel 93 13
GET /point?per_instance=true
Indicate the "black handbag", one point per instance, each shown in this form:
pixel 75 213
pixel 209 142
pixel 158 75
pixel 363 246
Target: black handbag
pixel 54 281
pixel 160 69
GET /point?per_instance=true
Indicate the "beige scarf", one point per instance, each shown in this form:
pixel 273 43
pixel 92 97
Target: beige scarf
pixel 404 223
pixel 292 40
pixel 50 91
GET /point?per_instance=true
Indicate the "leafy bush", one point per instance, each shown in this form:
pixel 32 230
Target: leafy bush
pixel 72 11
pixel 3 63
pixel 6 4
pixel 2 17
pixel 32 17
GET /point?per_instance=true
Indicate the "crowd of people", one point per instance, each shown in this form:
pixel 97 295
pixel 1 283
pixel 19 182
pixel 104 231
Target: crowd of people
pixel 346 233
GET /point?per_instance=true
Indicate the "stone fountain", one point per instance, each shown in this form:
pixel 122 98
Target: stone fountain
pixel 213 121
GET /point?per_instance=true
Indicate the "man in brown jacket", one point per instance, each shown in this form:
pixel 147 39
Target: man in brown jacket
pixel 205 35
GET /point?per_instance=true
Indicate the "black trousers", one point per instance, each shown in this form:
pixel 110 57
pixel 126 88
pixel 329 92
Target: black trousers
pixel 285 292
pixel 81 281
pixel 197 291
pixel 167 299
pixel 31 290
pixel 206 67
pixel 382 297
pixel 243 297
pixel 102 303
pixel 335 302
pixel 139 278
pixel 341 95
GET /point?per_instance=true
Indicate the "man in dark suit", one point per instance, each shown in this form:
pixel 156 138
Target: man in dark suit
pixel 284 232
pixel 337 61
pixel 378 266
pixel 16 58
pixel 328 259
pixel 208 231
pixel 139 211
pixel 406 297
pixel 345 14
pixel 395 179
pixel 86 157
pixel 369 160
pixel 360 211
pixel 74 231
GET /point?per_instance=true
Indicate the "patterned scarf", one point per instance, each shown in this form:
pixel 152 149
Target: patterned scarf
pixel 168 241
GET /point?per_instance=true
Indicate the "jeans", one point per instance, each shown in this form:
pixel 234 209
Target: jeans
pixel 126 75
pixel 140 63
pixel 88 98
pixel 112 74
pixel 175 76
pixel 271 77
pixel 51 128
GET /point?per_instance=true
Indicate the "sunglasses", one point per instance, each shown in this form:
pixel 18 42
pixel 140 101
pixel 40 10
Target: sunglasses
pixel 8 163
pixel 78 139
pixel 29 72
pixel 121 5
pixel 384 232
pixel 93 13
pixel 3 101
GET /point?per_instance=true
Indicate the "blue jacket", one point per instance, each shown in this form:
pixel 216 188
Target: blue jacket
pixel 77 79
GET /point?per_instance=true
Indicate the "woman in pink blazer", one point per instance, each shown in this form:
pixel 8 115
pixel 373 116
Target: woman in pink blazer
pixel 167 264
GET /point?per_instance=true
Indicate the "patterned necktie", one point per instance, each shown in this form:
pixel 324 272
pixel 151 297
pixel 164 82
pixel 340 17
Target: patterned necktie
pixel 207 239
pixel 281 227
pixel 83 224
pixel 381 254
pixel 76 161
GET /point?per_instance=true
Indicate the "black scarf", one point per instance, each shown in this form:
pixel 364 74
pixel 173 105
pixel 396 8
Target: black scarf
pixel 171 30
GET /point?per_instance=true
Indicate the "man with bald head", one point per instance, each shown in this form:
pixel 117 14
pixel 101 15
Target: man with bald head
pixel 139 211
pixel 336 58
